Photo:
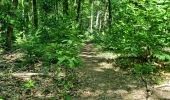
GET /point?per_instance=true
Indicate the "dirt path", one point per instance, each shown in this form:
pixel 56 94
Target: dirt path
pixel 100 80
pixel 103 81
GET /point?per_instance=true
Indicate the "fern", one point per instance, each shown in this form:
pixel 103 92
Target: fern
pixel 161 56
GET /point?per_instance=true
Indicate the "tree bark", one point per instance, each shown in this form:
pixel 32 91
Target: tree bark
pixel 75 2
pixel 91 20
pixel 97 19
pixel 100 24
pixel 35 16
pixel 9 32
pixel 9 37
pixel 65 7
pixel 110 15
pixel 78 10
pixel 56 7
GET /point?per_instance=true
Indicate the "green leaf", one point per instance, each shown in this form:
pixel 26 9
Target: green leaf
pixel 68 97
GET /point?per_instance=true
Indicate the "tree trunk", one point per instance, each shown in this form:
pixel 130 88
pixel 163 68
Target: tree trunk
pixel 78 10
pixel 56 7
pixel 9 34
pixel 104 22
pixel 75 2
pixel 97 19
pixel 35 16
pixel 100 24
pixel 26 17
pixel 65 7
pixel 110 16
pixel 91 16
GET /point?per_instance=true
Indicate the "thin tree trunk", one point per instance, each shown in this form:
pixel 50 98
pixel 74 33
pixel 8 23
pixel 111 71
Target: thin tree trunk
pixel 9 34
pixel 91 20
pixel 97 19
pixel 75 2
pixel 56 7
pixel 26 17
pixel 29 10
pixel 78 10
pixel 105 18
pixel 65 7
pixel 100 24
pixel 110 16
pixel 35 16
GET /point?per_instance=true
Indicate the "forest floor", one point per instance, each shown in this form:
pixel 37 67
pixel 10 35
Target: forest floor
pixel 100 79
pixel 103 80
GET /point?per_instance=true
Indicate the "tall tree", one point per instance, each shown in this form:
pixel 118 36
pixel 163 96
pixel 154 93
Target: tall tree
pixel 56 7
pixel 9 34
pixel 110 15
pixel 35 16
pixel 78 10
pixel 10 27
pixel 65 7
pixel 91 15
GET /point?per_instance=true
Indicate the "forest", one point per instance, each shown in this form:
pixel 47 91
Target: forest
pixel 84 50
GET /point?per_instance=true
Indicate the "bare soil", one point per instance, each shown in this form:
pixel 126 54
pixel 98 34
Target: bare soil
pixel 99 79
pixel 102 80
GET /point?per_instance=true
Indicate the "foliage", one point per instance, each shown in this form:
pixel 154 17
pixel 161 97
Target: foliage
pixel 29 84
pixel 141 30
pixel 138 30
pixel 147 68
pixel 1 98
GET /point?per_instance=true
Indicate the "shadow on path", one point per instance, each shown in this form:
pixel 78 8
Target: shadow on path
pixel 103 81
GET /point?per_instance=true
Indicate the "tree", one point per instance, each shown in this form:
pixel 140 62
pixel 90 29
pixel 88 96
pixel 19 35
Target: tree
pixel 78 10
pixel 35 16
pixel 65 7
pixel 110 15
pixel 91 15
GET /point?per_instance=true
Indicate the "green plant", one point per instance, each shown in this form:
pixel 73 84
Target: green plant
pixel 1 98
pixel 29 84
pixel 146 68
pixel 161 56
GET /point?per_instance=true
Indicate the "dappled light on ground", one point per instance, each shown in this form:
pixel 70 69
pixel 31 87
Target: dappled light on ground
pixel 100 79
pixel 103 80
pixel 10 57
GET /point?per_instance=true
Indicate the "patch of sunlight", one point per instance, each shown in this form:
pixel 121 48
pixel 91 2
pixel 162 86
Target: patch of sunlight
pixel 41 96
pixel 2 74
pixel 101 84
pixel 131 86
pixel 91 52
pixel 25 75
pixel 98 69
pixel 167 76
pixel 1 51
pixel 121 92
pixel 85 55
pixel 109 92
pixel 108 55
pixel 105 65
pixel 167 49
pixel 102 66
pixel 162 92
pixel 136 95
pixel 13 56
pixel 90 93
